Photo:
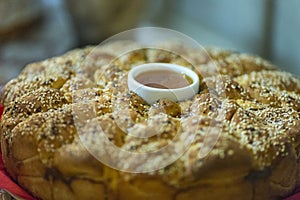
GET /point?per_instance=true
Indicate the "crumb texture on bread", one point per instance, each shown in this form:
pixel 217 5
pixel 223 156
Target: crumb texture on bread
pixel 253 108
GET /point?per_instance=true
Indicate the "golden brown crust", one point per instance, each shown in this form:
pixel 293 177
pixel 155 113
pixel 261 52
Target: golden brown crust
pixel 248 114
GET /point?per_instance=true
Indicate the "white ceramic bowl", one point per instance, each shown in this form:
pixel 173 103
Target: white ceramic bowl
pixel 151 94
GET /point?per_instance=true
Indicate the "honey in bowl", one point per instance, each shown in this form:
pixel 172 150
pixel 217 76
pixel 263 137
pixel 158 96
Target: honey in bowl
pixel 164 79
pixel 154 81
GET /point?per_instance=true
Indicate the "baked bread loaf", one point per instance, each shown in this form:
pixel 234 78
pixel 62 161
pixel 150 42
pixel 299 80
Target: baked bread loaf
pixel 255 145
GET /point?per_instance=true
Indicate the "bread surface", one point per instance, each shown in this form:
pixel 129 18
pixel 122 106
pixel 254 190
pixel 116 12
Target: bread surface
pixel 253 108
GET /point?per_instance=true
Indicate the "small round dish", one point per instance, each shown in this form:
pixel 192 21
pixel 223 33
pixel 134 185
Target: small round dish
pixel 152 94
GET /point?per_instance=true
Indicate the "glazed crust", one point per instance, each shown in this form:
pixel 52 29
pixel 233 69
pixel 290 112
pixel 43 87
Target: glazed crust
pixel 252 108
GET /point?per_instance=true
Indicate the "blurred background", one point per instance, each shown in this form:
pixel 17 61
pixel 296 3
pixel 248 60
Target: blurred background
pixel 32 30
